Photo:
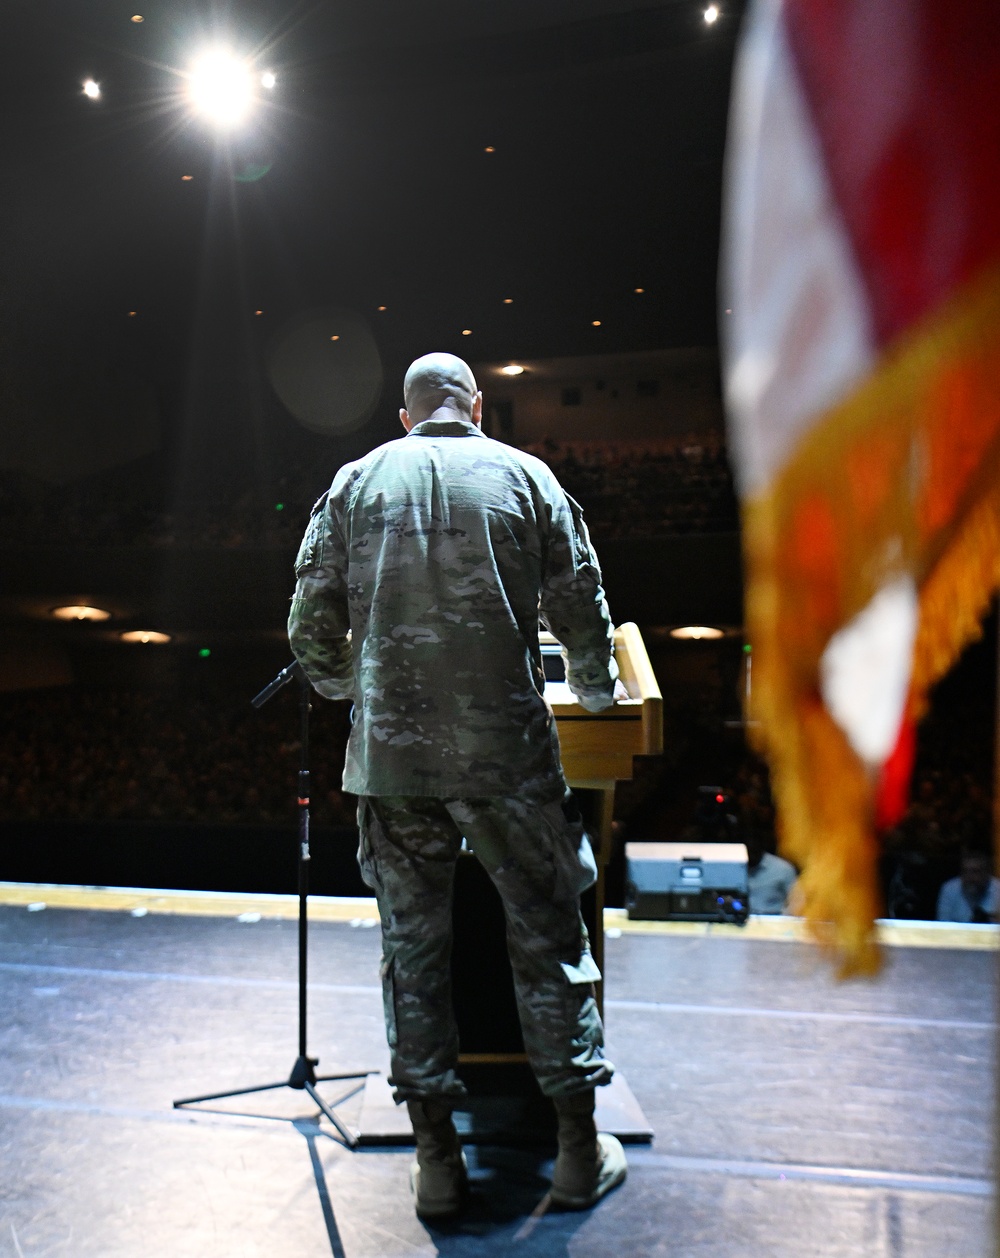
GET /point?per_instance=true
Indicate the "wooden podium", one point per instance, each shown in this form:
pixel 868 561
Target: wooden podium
pixel 505 1105
pixel 598 749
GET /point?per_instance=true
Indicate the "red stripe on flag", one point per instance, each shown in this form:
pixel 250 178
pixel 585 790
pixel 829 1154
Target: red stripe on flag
pixel 893 792
pixel 905 96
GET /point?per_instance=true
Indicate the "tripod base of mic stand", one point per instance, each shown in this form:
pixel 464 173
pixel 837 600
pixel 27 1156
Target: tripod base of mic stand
pixel 303 1078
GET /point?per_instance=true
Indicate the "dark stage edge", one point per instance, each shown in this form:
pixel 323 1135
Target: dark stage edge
pixel 793 1115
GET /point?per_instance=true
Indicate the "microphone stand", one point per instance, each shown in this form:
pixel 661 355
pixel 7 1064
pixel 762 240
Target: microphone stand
pixel 303 1075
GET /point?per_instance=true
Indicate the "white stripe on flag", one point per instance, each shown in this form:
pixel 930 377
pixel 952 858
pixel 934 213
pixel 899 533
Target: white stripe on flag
pixel 799 336
pixel 865 670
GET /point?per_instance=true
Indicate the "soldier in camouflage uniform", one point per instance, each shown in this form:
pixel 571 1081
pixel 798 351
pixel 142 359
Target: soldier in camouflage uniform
pixel 420 583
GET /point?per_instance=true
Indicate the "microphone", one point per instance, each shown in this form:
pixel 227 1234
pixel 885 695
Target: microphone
pixel 293 672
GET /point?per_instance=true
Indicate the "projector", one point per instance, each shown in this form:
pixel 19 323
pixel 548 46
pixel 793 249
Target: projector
pixel 686 882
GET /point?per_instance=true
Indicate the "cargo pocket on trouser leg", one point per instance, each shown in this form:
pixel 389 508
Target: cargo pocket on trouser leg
pixel 563 1032
pixel 423 1042
pixel 387 974
pixel 587 1067
pixel 368 824
pixel 572 851
pixel 585 970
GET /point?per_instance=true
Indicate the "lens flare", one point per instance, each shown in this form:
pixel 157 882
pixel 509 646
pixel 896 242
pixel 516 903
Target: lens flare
pixel 220 86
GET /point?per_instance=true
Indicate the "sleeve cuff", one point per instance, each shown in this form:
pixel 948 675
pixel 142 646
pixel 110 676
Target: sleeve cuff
pixel 330 688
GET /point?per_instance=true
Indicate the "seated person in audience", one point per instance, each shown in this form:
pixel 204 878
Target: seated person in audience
pixel 974 896
pixel 770 878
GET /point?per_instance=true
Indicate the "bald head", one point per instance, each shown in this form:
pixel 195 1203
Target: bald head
pixel 440 383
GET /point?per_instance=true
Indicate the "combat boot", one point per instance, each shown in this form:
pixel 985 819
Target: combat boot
pixel 439 1177
pixel 588 1165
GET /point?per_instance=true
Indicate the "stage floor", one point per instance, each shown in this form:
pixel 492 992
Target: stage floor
pixel 794 1117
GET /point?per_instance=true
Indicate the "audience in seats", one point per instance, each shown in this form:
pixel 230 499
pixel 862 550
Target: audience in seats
pixel 96 755
pixel 974 896
pixel 653 489
pixel 770 879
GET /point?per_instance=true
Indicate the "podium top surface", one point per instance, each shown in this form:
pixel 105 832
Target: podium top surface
pixel 631 726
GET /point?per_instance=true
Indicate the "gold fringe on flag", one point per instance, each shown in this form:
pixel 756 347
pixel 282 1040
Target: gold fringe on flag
pixel 903 477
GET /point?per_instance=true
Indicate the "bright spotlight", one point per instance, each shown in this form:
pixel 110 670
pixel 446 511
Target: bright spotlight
pixel 711 15
pixel 221 87
pixel 267 79
pixel 697 633
pixel 92 89
pixel 79 611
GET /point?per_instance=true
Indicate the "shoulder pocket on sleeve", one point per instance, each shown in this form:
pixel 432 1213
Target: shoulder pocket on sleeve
pixel 311 550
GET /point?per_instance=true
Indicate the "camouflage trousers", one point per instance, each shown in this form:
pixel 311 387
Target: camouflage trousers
pixel 539 860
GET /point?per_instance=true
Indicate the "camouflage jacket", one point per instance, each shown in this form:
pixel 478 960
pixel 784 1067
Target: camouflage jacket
pixel 420 583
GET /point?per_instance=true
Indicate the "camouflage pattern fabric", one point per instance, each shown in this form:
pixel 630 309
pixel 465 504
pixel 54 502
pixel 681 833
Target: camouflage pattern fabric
pixel 539 859
pixel 420 583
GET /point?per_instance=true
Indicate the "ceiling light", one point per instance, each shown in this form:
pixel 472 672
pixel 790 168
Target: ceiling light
pixel 638 290
pixel 512 369
pixel 595 323
pixel 466 331
pixel 489 149
pixel 92 89
pixel 80 612
pixel 258 312
pixel 335 338
pixel 137 17
pixel 508 301
pixel 697 633
pixel 145 635
pixel 220 87
pixel 381 307
pixel 132 314
pixel 267 79
pixel 186 178
pixel 711 14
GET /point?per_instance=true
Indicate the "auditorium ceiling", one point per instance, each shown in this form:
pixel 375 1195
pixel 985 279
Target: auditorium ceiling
pixel 531 179
pixel 526 178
